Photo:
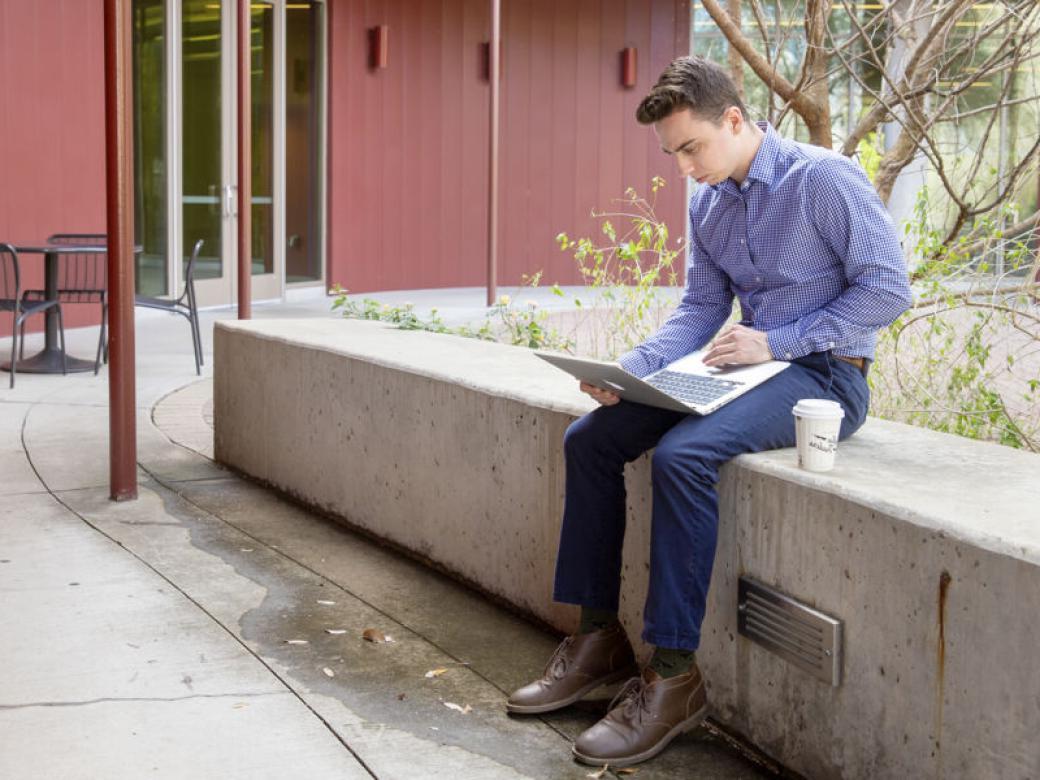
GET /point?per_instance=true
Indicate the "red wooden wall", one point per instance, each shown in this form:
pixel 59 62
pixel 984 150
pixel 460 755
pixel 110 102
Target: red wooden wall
pixel 408 143
pixel 52 129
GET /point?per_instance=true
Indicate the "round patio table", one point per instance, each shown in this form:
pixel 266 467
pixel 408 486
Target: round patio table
pixel 48 361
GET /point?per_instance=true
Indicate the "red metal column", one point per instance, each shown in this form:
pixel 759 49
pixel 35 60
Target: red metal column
pixel 122 422
pixel 245 154
pixel 495 66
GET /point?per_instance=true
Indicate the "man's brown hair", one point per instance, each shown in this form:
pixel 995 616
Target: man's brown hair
pixel 693 83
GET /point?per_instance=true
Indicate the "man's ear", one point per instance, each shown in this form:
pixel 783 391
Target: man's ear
pixel 733 119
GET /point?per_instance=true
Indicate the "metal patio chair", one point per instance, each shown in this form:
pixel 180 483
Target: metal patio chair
pixel 184 305
pixel 82 278
pixel 13 301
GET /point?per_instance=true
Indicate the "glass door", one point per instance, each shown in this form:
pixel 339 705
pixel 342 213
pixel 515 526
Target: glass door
pixel 210 200
pixel 207 193
pixel 186 140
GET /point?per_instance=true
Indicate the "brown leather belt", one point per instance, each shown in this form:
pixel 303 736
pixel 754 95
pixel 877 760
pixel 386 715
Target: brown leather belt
pixel 858 362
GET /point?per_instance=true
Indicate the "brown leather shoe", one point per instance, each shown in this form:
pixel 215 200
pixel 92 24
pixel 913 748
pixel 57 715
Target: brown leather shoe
pixel 648 713
pixel 580 664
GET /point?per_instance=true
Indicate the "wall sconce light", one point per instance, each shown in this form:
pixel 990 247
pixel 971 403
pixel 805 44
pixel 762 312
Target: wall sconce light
pixel 378 41
pixel 485 61
pixel 628 67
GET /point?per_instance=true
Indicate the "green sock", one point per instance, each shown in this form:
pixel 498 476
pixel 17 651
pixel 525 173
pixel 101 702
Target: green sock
pixel 595 619
pixel 668 662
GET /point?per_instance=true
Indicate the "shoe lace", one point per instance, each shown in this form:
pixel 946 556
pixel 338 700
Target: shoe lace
pixel 557 666
pixel 632 698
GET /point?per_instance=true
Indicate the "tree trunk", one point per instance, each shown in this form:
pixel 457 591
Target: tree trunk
pixel 733 58
pixel 817 87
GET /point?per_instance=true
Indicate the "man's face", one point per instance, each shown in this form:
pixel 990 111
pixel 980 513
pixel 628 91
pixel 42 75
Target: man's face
pixel 708 152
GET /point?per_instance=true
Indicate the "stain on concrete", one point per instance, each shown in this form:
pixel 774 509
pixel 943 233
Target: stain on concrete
pixel 368 678
pixel 940 661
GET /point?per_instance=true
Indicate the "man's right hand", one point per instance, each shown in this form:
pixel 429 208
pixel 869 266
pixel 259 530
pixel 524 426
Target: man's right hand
pixel 603 397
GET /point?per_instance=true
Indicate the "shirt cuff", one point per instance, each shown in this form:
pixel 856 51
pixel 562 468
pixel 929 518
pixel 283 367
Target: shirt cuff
pixel 634 363
pixel 786 344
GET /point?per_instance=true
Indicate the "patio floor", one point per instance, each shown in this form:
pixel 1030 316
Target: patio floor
pixel 213 629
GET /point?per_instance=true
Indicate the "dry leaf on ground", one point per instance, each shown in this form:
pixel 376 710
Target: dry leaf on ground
pixel 373 635
pixel 599 772
pixel 626 771
pixel 453 706
pixel 328 672
pixel 335 630
pixel 401 696
pixel 296 642
pixel 435 672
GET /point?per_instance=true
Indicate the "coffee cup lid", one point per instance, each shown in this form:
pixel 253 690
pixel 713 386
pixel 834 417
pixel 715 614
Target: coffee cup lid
pixel 818 408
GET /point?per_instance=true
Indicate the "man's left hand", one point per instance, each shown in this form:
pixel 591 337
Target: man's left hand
pixel 738 345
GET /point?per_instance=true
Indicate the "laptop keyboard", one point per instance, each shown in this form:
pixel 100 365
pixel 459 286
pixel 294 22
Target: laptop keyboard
pixel 691 388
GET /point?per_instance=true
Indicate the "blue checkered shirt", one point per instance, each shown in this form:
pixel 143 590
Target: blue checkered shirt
pixel 804 244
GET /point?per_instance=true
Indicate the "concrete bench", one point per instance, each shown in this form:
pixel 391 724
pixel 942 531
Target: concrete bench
pixel 926 546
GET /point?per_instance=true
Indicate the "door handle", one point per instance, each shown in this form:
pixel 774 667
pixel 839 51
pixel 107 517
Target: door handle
pixel 229 198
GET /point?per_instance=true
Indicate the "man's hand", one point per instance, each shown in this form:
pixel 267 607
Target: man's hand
pixel 604 397
pixel 737 345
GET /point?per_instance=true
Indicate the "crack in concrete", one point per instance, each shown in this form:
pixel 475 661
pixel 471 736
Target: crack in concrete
pixel 107 699
pixel 61 403
pixel 151 522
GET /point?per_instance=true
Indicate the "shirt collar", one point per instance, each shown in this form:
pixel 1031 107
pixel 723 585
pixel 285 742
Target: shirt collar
pixel 764 164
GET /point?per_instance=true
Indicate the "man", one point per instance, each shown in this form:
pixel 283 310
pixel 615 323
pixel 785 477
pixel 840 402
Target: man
pixel 799 236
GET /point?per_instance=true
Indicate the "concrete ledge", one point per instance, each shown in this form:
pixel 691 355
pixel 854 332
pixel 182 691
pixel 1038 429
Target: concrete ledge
pixel 926 545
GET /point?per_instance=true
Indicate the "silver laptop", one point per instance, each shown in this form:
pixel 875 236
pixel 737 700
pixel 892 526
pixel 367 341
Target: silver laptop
pixel 687 385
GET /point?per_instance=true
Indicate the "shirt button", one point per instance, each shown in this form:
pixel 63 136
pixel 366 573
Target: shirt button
pixel 788 356
pixel 758 278
pixel 830 345
pixel 742 241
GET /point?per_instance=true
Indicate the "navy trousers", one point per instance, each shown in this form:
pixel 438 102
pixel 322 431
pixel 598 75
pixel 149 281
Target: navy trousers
pixel 689 452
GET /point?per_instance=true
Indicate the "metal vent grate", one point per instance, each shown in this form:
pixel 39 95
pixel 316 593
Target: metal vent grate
pixel 794 631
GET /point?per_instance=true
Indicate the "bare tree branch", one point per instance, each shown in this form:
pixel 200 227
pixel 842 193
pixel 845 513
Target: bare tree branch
pixel 812 112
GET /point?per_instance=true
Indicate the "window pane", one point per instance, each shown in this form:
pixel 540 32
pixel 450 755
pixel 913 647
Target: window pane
pixel 149 67
pixel 262 88
pixel 303 161
pixel 201 103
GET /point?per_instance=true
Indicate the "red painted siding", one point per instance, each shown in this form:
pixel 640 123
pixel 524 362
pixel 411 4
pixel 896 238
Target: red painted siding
pixel 408 146
pixel 52 128
pixel 408 158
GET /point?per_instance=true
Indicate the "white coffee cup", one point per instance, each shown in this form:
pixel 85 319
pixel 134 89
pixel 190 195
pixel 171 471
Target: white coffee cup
pixel 816 425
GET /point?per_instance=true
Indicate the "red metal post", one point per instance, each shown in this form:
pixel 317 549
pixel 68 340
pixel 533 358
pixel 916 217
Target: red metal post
pixel 245 154
pixel 495 59
pixel 122 422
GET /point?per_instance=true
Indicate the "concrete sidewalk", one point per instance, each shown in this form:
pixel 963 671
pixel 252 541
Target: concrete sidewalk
pixel 213 629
